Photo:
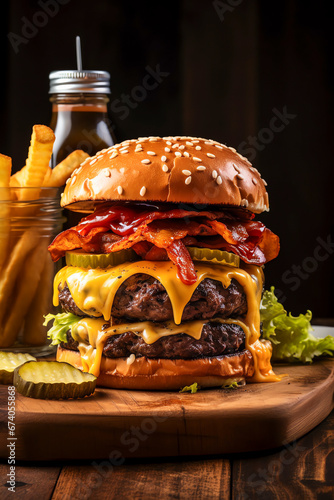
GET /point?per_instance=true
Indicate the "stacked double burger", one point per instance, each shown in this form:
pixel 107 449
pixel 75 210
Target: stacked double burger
pixel 164 275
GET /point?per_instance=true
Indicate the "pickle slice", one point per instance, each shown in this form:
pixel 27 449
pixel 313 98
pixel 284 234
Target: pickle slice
pixel 53 380
pixel 78 258
pixel 9 361
pixel 215 256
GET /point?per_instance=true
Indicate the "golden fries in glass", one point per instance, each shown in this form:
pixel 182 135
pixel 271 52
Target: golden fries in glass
pixel 30 216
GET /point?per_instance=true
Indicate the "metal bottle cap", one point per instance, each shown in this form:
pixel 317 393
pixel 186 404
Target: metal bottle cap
pixel 68 81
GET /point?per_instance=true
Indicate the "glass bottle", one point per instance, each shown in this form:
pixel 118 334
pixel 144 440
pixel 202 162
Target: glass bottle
pixel 79 112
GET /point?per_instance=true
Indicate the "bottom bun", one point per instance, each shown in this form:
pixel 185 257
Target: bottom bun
pixel 166 374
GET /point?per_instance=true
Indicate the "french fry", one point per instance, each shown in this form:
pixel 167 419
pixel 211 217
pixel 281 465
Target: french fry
pixel 29 279
pixel 64 169
pixel 8 279
pixel 34 331
pixel 5 171
pixel 38 160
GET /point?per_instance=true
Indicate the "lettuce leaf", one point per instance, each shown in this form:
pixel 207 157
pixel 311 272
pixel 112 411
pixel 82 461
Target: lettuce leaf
pixel 291 336
pixel 193 388
pixel 62 323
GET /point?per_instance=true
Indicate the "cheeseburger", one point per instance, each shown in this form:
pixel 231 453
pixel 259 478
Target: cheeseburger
pixel 164 275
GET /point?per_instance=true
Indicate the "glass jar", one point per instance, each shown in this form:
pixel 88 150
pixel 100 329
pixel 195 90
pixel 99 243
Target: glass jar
pixel 29 220
pixel 79 112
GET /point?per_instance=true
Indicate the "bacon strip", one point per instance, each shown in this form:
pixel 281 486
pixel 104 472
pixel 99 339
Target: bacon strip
pixel 158 235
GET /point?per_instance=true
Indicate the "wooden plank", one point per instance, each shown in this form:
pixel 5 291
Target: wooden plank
pixel 302 469
pixel 144 424
pixel 195 479
pixel 32 482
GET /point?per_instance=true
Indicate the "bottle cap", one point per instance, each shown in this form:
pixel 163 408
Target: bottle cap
pixel 90 82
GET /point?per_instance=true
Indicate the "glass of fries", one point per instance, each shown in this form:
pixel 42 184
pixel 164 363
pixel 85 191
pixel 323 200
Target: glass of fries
pixel 30 217
pixel 27 226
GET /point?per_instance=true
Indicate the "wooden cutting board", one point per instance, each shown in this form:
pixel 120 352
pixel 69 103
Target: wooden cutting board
pixel 120 423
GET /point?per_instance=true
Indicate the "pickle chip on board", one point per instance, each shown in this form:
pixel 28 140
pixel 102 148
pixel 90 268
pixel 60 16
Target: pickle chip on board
pixel 9 361
pixel 53 380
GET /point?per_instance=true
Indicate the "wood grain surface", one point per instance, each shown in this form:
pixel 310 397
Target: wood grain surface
pixel 302 470
pixel 143 424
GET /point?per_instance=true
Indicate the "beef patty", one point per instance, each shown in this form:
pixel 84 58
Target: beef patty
pixel 217 339
pixel 143 298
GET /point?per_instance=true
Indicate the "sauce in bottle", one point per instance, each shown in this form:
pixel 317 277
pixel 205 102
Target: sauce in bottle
pixel 79 112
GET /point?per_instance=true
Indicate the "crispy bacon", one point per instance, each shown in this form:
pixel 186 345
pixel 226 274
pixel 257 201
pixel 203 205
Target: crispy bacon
pixel 157 233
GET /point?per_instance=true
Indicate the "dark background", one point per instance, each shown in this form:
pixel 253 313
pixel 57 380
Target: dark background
pixel 232 65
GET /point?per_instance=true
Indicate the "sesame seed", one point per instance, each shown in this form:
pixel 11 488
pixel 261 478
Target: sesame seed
pixel 151 153
pixel 119 189
pixel 177 153
pixel 210 155
pixel 214 174
pixel 208 143
pixel 99 157
pixel 188 143
pixel 196 159
pixel 241 177
pixel 219 147
pixel 182 147
pixel 186 172
pixel 244 203
pixel 142 191
pixel 154 139
pixel 195 142
pixel 93 161
pixel 146 161
pixel 254 181
pixel 73 179
pixel 164 158
pixel 107 172
pixel 236 168
pixel 186 154
pixel 164 168
pixel 175 146
pixel 201 167
pixel 169 143
pixel 198 148
pixel 124 151
pixel 122 170
pixel 167 150
pixel 188 180
pixel 234 151
pixel 264 182
pixel 219 180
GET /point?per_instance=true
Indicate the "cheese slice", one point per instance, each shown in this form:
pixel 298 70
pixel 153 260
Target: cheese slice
pixel 94 290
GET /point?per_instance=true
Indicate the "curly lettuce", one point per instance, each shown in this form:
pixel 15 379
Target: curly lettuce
pixel 62 323
pixel 291 336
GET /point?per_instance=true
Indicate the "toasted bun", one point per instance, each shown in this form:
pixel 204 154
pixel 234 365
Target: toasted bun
pixel 166 374
pixel 169 169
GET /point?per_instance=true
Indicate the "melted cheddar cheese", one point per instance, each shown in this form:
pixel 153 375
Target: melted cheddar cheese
pixel 93 291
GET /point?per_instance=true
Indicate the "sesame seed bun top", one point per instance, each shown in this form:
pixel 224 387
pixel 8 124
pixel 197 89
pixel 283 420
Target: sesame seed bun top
pixel 169 169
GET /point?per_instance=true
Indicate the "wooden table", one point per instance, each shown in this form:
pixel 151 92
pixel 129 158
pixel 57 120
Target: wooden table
pixel 301 470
